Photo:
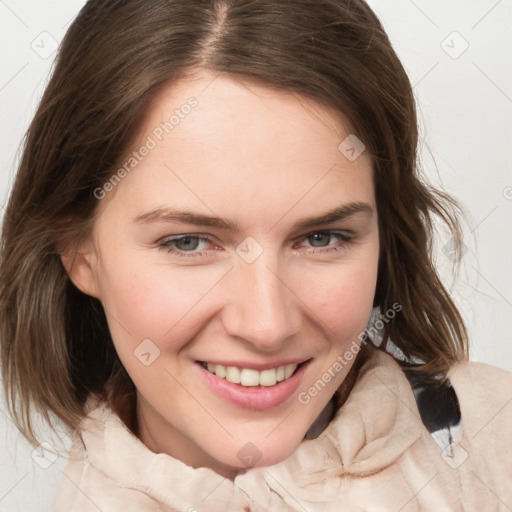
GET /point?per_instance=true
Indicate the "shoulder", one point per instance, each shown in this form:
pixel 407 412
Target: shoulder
pixel 485 397
pixel 472 370
pixel 484 391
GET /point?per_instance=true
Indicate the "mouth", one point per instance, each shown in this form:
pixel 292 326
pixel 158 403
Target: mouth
pixel 250 388
pixel 251 377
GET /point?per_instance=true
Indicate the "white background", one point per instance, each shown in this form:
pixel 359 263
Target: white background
pixel 465 107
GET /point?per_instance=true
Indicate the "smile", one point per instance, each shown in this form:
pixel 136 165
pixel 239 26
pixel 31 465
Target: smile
pixel 250 377
pixel 252 388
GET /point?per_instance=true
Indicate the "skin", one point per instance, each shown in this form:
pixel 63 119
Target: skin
pixel 264 160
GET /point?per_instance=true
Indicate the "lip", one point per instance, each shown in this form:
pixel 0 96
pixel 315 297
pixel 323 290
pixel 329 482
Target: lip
pixel 255 398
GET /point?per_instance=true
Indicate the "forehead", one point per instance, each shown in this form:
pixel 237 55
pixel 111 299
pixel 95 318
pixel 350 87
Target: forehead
pixel 228 107
pixel 216 143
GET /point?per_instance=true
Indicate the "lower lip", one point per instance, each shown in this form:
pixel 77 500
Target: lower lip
pixel 258 399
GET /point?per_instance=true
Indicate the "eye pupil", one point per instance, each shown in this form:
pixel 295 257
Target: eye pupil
pixel 187 243
pixel 319 239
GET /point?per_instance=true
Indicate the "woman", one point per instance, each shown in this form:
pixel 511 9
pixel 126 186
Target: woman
pixel 217 210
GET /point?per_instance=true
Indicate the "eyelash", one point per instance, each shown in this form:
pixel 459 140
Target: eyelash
pixel 343 237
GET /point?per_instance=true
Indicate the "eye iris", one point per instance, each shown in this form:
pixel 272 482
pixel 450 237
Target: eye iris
pixel 319 239
pixel 185 243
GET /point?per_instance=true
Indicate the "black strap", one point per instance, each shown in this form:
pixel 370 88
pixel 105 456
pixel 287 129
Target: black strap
pixel 438 406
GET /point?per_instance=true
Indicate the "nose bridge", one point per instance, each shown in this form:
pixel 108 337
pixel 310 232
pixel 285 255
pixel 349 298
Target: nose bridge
pixel 263 311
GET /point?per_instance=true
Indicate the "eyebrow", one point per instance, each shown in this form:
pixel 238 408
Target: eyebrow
pixel 174 215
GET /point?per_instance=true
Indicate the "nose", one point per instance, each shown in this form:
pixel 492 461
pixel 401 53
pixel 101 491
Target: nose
pixel 263 310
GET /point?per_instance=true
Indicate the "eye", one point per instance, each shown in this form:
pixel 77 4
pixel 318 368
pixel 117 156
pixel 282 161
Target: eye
pixel 184 244
pixel 323 239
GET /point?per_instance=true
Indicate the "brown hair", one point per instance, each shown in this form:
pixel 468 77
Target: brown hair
pixel 116 56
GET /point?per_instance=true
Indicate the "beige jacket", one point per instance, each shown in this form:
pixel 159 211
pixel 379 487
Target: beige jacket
pixel 375 455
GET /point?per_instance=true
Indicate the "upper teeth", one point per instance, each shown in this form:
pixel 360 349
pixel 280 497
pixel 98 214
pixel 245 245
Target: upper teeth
pixel 250 377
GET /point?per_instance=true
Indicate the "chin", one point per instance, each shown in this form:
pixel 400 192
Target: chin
pixel 262 453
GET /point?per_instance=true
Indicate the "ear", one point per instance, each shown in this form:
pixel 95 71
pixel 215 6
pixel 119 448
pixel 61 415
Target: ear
pixel 81 265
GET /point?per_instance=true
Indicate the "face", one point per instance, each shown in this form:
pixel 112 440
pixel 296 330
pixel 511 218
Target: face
pixel 236 259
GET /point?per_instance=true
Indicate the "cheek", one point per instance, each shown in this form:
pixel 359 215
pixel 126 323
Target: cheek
pixel 342 298
pixel 152 303
pixel 148 301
